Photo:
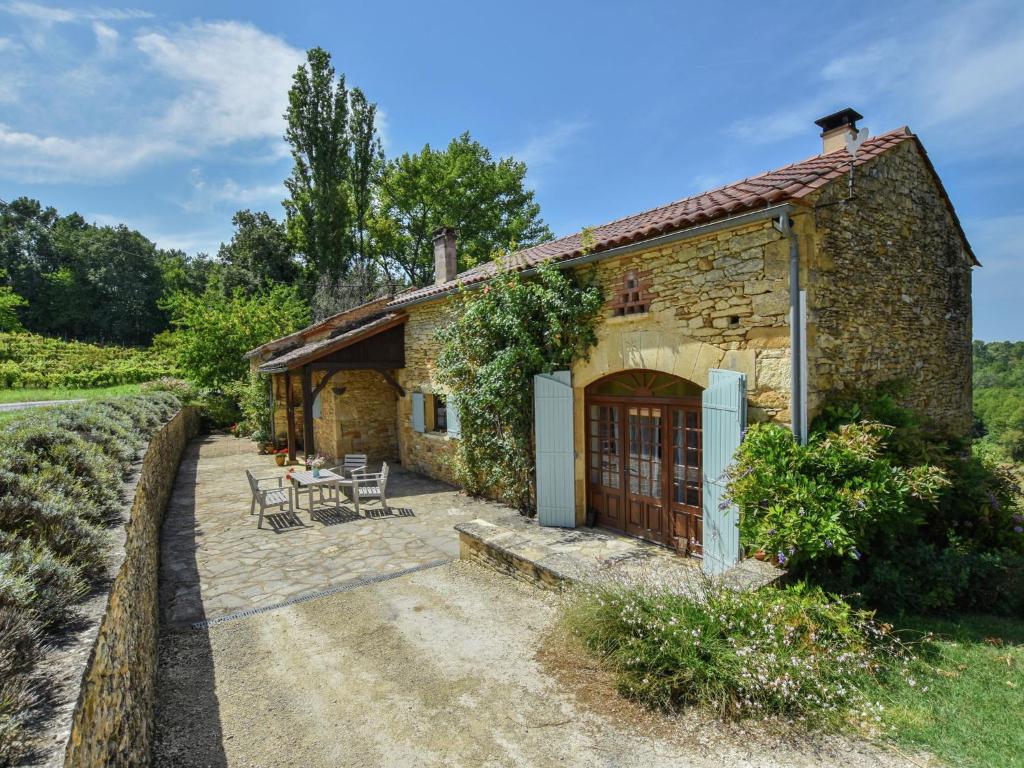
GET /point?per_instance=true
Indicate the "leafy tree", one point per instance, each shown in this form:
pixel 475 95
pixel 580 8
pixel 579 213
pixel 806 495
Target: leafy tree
pixel 9 304
pixel 461 186
pixel 259 254
pixel 499 337
pixel 999 396
pixel 319 211
pixel 214 331
pixel 85 281
pixel 367 164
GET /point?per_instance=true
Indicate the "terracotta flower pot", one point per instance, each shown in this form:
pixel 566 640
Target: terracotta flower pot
pixel 280 458
pixel 760 555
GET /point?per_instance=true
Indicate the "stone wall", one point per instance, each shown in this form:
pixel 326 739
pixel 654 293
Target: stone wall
pixel 362 419
pixel 112 723
pixel 427 452
pixel 889 289
pixel 720 301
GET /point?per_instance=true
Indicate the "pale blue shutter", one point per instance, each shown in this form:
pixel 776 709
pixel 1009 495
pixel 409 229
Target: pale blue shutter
pixel 724 419
pixel 317 406
pixel 418 420
pixel 552 418
pixel 454 425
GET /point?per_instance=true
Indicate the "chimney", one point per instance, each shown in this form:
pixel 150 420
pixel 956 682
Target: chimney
pixel 836 127
pixel 444 255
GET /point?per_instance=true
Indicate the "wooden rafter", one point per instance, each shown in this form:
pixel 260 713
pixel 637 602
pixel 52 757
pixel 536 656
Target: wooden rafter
pixel 390 379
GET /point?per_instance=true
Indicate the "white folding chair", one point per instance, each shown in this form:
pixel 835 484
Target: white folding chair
pixel 279 497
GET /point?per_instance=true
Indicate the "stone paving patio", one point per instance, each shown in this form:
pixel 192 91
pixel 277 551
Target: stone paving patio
pixel 215 562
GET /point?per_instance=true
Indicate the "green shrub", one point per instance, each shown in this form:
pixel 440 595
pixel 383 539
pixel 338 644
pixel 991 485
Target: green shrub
pixel 60 487
pixel 19 647
pixel 496 340
pixel 805 503
pixel 28 361
pixel 255 407
pixel 36 581
pixel 778 651
pixel 219 410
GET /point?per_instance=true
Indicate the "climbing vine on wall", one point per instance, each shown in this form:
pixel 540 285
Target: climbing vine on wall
pixel 498 338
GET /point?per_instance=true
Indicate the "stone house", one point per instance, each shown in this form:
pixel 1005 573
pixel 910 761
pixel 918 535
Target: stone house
pixel 859 244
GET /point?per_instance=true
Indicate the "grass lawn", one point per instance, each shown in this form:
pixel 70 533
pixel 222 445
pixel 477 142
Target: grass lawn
pixel 28 395
pixel 972 713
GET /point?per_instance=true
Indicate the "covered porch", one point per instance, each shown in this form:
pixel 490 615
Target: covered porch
pixel 339 394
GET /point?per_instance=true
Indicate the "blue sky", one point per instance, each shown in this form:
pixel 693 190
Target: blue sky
pixel 168 116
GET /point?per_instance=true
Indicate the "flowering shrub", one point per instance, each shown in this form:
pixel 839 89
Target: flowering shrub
pixel 778 651
pixel 801 503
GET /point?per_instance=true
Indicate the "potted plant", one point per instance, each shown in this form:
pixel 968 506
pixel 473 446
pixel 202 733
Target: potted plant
pixel 281 456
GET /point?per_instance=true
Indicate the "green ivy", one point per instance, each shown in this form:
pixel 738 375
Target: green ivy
pixel 498 338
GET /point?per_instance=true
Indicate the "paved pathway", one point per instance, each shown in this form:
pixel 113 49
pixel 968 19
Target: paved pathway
pixel 216 562
pixel 34 404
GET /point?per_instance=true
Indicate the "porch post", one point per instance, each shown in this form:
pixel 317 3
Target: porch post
pixel 289 410
pixel 308 444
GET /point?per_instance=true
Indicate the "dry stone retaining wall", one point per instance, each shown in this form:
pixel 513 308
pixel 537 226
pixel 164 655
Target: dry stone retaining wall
pixel 112 723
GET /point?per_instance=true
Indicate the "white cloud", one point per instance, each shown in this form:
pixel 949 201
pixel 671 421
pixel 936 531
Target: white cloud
pixel 543 150
pixel 54 15
pixel 207 196
pixel 188 89
pixel 954 76
pixel 106 39
pixel 39 158
pixel 234 80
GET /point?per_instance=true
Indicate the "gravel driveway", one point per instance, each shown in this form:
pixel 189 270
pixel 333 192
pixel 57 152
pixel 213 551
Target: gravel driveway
pixel 435 668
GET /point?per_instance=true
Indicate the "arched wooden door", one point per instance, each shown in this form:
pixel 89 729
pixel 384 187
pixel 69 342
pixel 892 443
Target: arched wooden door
pixel 644 457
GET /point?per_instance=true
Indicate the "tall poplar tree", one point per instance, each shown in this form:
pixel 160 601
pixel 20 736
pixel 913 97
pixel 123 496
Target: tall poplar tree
pixel 319 210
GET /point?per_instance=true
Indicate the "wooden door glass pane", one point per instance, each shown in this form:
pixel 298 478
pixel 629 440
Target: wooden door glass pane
pixel 645 452
pixel 605 444
pixel 686 454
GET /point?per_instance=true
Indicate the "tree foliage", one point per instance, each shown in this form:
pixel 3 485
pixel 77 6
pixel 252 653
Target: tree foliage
pixel 498 338
pixel 85 281
pixel 999 396
pixel 214 331
pixel 336 154
pixel 10 302
pixel 461 186
pixel 259 255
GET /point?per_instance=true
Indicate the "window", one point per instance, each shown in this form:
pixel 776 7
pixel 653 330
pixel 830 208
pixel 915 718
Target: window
pixel 633 296
pixel 440 414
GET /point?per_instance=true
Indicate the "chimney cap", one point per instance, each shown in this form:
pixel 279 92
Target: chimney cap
pixel 444 231
pixel 848 116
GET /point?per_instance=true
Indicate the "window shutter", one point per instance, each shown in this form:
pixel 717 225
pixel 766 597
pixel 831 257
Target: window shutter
pixel 454 425
pixel 316 405
pixel 724 419
pixel 418 420
pixel 552 418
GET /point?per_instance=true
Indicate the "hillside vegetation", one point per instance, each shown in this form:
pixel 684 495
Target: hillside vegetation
pixel 999 397
pixel 28 361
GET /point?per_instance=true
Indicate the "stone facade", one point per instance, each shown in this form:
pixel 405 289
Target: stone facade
pixel 427 452
pixel 721 301
pixel 889 289
pixel 112 724
pixel 358 419
pixel 887 277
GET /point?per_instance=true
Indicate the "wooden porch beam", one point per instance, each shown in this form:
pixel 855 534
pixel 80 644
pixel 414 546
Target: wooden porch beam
pixel 323 383
pixel 308 443
pixel 390 379
pixel 353 366
pixel 289 409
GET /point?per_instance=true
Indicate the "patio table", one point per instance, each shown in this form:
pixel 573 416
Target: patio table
pixel 305 482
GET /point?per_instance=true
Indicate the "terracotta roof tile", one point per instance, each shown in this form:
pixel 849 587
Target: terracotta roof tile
pixel 790 183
